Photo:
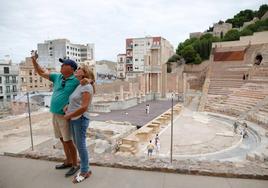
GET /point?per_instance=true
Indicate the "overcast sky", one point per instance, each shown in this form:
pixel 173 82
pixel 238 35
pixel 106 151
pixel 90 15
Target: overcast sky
pixel 107 23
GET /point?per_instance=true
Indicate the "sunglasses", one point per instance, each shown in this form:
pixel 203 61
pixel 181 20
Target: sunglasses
pixel 63 83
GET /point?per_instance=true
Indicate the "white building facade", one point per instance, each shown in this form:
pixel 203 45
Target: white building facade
pixel 8 80
pixel 51 50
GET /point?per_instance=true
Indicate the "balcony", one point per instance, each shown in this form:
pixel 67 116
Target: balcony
pixel 129 61
pixel 155 46
pixel 129 47
pixel 152 69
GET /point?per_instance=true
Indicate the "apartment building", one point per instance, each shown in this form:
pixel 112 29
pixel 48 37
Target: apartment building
pixel 8 80
pixel 51 50
pixel 30 80
pixel 146 58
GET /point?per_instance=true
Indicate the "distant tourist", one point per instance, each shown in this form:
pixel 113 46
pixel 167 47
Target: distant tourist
pixel 150 149
pixel 235 126
pixel 157 143
pixel 156 139
pixel 64 83
pixel 147 109
pixel 77 112
pixel 244 131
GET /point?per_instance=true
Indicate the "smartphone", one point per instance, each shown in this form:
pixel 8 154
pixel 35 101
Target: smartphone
pixel 34 54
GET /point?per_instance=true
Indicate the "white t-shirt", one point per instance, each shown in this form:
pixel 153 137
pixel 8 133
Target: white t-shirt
pixel 75 99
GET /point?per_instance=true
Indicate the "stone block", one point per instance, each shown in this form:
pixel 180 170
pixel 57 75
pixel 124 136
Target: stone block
pixel 259 156
pixel 250 157
pixel 265 155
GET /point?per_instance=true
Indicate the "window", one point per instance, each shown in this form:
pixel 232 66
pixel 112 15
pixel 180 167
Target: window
pixel 1 89
pixel 40 79
pixel 14 79
pixel 30 72
pixel 0 79
pixel 6 70
pixel 136 60
pixel 67 47
pixel 7 89
pixel 50 48
pixel 14 88
pixel 31 80
pixel 135 44
pixel 7 79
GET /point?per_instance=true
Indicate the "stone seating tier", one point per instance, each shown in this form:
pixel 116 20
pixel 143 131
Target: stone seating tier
pixel 155 127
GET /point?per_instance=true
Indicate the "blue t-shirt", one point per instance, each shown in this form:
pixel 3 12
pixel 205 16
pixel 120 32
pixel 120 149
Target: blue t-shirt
pixel 61 91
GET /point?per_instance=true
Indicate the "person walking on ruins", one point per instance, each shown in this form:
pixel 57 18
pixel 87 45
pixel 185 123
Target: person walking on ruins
pixel 150 149
pixel 157 143
pixel 147 109
pixel 77 112
pixel 64 83
pixel 235 126
pixel 156 139
pixel 244 131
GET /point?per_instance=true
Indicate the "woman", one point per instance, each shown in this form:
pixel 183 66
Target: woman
pixel 77 113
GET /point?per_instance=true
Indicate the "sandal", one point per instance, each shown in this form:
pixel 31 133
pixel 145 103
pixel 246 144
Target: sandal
pixel 79 178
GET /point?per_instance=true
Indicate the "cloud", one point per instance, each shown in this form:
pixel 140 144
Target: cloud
pixel 24 23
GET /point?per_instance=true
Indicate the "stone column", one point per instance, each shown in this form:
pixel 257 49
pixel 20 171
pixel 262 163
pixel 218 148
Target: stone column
pixel 121 98
pixel 130 90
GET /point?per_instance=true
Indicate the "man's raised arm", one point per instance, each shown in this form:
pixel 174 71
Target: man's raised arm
pixel 39 70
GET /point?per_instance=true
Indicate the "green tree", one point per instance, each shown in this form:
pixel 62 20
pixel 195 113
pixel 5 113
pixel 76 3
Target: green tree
pixel 174 58
pixel 262 10
pixel 231 35
pixel 246 32
pixel 197 59
pixel 182 45
pixel 239 19
pixel 189 54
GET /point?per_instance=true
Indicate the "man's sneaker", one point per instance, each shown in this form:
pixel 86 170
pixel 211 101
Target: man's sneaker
pixel 72 171
pixel 63 166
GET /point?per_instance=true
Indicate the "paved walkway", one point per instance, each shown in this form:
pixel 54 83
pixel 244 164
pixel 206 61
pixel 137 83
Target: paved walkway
pixel 27 173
